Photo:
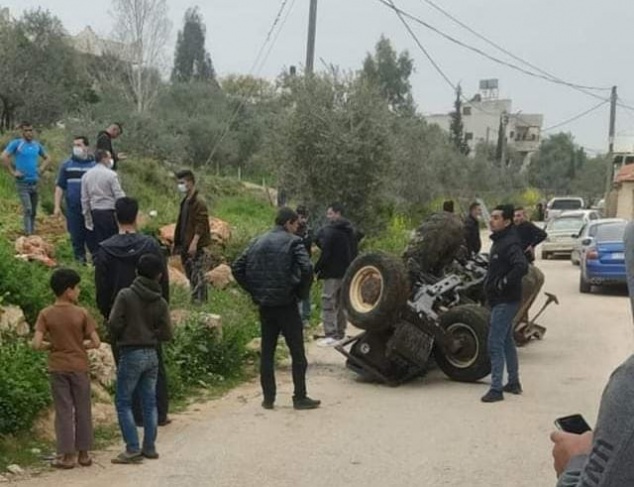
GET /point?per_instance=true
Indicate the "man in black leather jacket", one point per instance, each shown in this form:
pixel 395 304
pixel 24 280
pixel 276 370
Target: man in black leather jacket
pixel 276 271
pixel 503 287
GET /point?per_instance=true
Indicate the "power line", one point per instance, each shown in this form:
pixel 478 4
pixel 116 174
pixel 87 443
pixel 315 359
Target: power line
pixel 576 117
pixel 507 52
pixel 257 66
pixel 484 54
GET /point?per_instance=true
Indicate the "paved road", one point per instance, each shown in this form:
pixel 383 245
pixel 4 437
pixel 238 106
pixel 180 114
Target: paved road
pixel 430 433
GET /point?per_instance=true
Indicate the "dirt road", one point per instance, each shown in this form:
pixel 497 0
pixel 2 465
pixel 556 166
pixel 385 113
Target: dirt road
pixel 430 433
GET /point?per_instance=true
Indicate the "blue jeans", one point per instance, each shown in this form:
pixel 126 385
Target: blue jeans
pixel 80 236
pixel 138 367
pixel 28 197
pixel 502 345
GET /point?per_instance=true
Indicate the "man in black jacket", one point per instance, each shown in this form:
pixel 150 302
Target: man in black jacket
pixel 530 234
pixel 104 142
pixel 472 229
pixel 503 287
pixel 115 269
pixel 338 243
pixel 276 271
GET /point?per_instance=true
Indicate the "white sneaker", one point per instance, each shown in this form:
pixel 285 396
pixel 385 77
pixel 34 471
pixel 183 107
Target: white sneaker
pixel 327 342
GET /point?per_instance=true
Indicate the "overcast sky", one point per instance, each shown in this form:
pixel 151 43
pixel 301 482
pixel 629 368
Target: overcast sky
pixel 588 42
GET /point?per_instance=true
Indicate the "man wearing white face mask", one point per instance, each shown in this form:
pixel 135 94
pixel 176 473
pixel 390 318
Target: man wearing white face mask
pixel 100 189
pixel 69 185
pixel 192 237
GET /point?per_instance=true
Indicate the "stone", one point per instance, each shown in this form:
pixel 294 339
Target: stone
pixel 102 366
pixel 178 278
pixel 15 470
pixel 254 345
pixel 212 322
pixel 179 316
pixel 12 320
pixel 3 479
pixel 220 232
pixel 35 248
pixel 176 262
pixel 220 277
pixel 100 394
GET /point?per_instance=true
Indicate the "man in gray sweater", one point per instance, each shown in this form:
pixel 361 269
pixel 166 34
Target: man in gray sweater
pixel 603 458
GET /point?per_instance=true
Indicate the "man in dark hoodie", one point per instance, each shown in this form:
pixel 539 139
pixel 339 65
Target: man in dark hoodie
pixel 104 142
pixel 472 229
pixel 139 321
pixel 338 243
pixel 115 269
pixel 276 271
pixel 503 287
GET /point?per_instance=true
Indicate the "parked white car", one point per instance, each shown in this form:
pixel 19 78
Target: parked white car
pixel 558 205
pixel 586 236
pixel 564 230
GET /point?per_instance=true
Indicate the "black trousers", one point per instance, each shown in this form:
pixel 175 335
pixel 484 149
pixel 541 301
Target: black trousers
pixel 105 225
pixel 162 394
pixel 287 321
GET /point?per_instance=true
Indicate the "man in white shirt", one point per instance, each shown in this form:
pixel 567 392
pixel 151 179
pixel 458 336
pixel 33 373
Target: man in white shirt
pixel 100 189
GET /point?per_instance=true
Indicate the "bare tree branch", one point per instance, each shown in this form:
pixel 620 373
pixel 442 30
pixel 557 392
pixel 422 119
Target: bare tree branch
pixel 142 28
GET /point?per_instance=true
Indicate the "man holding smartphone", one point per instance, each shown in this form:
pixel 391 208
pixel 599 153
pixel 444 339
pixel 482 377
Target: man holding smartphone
pixel 602 458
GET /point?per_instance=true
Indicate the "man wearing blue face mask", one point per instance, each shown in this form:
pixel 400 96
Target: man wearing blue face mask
pixel 100 189
pixel 69 185
pixel 192 237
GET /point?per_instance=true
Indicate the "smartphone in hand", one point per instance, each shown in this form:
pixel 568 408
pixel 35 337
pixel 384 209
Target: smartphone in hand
pixel 574 424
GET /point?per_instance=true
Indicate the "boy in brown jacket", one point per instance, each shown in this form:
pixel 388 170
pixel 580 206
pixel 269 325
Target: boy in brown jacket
pixel 69 330
pixel 192 237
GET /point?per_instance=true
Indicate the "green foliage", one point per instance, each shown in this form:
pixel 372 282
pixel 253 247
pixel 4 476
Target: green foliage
pixel 393 239
pixel 38 41
pixel 192 62
pixel 390 73
pixel 334 146
pixel 24 386
pixel 23 284
pixel 456 128
pixel 557 164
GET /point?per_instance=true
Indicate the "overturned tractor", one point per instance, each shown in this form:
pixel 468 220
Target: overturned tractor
pixel 430 304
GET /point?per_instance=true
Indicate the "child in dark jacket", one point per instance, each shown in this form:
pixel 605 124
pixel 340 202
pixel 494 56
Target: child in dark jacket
pixel 139 322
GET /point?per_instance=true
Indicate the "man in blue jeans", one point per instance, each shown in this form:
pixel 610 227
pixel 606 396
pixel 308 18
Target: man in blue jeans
pixel 69 185
pixel 139 322
pixel 503 286
pixel 26 153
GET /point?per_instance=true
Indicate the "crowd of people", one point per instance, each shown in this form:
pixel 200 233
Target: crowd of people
pixel 132 287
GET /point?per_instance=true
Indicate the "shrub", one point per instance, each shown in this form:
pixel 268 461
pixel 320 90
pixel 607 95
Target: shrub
pixel 24 386
pixel 23 284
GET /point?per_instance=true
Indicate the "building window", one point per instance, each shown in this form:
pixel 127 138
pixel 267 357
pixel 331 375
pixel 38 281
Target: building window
pixel 466 111
pixel 468 136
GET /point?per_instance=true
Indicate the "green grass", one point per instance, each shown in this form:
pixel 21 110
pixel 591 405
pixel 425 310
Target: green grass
pixel 23 450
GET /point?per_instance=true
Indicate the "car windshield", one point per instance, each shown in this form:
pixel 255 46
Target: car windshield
pixel 566 205
pixel 566 223
pixel 610 232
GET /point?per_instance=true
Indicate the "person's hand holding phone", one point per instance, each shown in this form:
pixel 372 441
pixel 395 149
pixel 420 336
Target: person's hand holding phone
pixel 569 445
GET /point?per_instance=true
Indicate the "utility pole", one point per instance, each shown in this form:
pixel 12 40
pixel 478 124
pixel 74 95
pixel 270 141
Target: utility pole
pixel 312 34
pixel 610 177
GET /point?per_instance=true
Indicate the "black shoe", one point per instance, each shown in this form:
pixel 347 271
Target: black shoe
pixel 493 396
pixel 513 388
pixel 165 422
pixel 306 403
pixel 268 404
pixel 150 455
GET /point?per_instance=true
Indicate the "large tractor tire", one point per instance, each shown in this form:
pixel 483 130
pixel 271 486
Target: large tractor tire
pixel 466 356
pixel 435 245
pixel 374 292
